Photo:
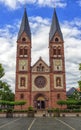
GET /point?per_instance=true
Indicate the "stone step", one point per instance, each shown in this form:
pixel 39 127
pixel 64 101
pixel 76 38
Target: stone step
pixel 41 113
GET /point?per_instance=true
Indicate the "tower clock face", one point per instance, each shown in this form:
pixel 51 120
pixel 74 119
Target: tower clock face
pixel 23 65
pixel 40 81
pixel 57 62
pixel 58 65
pixel 23 62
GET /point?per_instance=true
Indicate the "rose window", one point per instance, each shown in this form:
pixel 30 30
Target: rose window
pixel 40 81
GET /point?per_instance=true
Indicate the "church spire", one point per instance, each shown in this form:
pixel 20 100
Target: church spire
pixel 25 26
pixel 55 27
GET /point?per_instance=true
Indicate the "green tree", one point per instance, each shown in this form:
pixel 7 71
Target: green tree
pixel 79 82
pixel 5 91
pixel 2 73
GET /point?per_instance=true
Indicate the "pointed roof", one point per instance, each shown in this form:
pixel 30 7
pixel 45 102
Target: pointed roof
pixel 55 27
pixel 25 26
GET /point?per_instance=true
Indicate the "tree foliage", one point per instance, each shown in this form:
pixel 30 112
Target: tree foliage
pixel 71 104
pixel 5 91
pixel 10 104
pixel 79 82
pixel 2 73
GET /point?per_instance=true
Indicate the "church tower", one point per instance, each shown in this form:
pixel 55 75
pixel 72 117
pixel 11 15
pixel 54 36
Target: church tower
pixel 23 63
pixel 57 63
pixel 40 85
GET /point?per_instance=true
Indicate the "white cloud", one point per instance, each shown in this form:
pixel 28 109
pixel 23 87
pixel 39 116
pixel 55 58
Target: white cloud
pixel 40 41
pixel 79 2
pixel 13 4
pixel 72 34
pixel 40 31
pixel 8 54
pixel 51 3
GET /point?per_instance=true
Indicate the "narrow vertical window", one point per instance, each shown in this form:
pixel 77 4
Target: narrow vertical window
pixel 58 96
pixel 54 51
pixel 58 82
pixel 25 51
pixel 42 68
pixel 59 51
pixel 22 81
pixel 21 96
pixel 21 51
pixel 37 68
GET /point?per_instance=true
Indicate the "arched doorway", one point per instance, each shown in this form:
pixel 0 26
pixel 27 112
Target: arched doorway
pixel 40 102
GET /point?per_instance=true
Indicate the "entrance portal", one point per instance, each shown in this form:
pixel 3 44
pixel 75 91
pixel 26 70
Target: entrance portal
pixel 40 103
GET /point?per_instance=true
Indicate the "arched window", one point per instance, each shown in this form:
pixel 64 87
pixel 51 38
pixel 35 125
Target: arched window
pixel 23 39
pixel 40 67
pixel 56 39
pixel 59 51
pixel 57 67
pixel 58 96
pixel 37 68
pixel 22 81
pixel 21 51
pixel 54 51
pixel 25 51
pixel 58 82
pixel 21 96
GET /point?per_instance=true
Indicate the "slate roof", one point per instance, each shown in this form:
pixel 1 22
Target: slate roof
pixel 25 26
pixel 55 27
pixel 71 91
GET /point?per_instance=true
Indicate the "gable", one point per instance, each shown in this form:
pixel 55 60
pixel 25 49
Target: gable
pixel 40 66
pixel 56 36
pixel 24 36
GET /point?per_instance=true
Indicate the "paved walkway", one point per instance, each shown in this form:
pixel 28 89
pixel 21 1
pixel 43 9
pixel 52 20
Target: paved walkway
pixel 41 123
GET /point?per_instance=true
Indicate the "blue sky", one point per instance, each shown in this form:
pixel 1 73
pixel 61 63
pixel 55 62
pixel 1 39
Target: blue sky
pixel 40 15
pixel 69 10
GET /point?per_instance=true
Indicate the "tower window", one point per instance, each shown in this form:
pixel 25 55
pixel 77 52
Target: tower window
pixel 56 39
pixel 54 51
pixel 58 96
pixel 57 67
pixel 58 81
pixel 59 51
pixel 21 51
pixel 22 67
pixel 21 96
pixel 23 39
pixel 22 81
pixel 25 51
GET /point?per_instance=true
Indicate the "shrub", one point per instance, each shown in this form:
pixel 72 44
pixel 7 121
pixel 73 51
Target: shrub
pixel 30 108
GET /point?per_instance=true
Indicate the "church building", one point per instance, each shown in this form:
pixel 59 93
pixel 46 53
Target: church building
pixel 40 85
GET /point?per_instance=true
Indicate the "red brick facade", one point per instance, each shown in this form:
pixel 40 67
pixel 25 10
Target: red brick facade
pixel 40 85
